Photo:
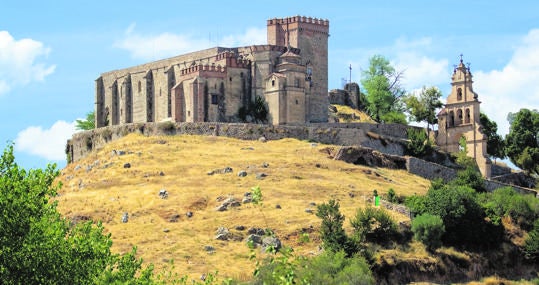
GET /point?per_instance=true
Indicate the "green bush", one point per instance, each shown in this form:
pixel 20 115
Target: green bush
pixel 418 143
pixel 335 268
pixel 463 216
pixel 429 230
pixel 531 244
pixel 523 209
pixel 373 225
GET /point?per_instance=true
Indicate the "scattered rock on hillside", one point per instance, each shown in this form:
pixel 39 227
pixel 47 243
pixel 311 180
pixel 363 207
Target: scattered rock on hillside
pixel 227 169
pixel 271 242
pixel 247 197
pixel 254 239
pixel 229 202
pixel 222 233
pixel 118 152
pixel 242 173
pixel 209 248
pixel 278 206
pixel 189 214
pixel 125 217
pixel 240 228
pixel 265 165
pixel 262 139
pixel 166 230
pixel 261 175
pixel 256 231
pixel 309 210
pixel 163 194
pixel 174 218
pixel 77 167
pixel 127 165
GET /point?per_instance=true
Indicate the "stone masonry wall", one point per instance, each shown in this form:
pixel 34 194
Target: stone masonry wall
pixel 85 142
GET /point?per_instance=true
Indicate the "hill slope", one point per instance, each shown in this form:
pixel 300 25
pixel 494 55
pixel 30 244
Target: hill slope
pixel 127 175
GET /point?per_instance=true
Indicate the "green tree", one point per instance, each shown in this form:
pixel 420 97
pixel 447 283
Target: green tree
pixel 332 233
pixel 87 124
pixel 429 230
pixel 38 246
pixel 423 108
pixel 383 91
pixel 495 142
pixel 522 145
pixel 418 142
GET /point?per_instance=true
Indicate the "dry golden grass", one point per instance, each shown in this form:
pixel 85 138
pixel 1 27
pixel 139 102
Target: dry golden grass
pixel 299 173
pixel 346 114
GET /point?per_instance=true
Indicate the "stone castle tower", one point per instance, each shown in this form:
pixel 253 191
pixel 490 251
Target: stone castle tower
pixel 213 85
pixel 310 36
pixel 460 118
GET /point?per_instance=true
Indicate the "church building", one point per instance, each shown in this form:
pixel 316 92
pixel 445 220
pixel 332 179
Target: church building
pixel 459 119
pixel 290 73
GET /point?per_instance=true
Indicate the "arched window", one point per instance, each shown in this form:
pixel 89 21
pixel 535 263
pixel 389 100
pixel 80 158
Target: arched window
pixel 272 83
pixel 459 94
pixel 467 118
pixel 459 116
pixel 451 119
pixel 139 87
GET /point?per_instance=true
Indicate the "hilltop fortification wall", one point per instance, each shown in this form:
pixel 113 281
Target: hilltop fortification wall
pixel 386 138
pixel 382 137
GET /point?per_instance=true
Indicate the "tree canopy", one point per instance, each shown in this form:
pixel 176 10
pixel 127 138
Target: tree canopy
pixel 383 91
pixel 495 143
pixel 87 124
pixel 38 246
pixel 422 108
pixel 522 145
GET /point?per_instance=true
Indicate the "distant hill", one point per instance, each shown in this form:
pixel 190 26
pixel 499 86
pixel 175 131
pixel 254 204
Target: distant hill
pixel 127 175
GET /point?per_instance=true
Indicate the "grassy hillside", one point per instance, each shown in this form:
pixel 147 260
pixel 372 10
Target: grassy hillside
pixel 299 176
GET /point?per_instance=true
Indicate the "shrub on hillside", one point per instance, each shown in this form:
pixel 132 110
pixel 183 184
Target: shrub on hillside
pixel 429 230
pixel 523 209
pixel 531 245
pixel 335 268
pixel 373 225
pixel 463 217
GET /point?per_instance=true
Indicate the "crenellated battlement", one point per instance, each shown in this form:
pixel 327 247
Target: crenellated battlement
pixel 298 19
pixel 207 68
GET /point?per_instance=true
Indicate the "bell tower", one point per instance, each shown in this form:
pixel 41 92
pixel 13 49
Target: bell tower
pixel 310 35
pixel 460 119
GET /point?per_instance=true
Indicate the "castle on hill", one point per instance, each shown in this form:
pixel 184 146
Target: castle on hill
pixel 290 73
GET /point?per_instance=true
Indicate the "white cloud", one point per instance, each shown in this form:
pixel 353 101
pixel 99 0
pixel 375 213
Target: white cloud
pixel 513 87
pixel 18 64
pixel 152 47
pixel 421 71
pixel 45 143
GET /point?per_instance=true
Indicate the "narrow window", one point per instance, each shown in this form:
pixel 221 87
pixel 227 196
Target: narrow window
pixel 214 99
pixel 459 94
pixel 467 119
pixel 272 83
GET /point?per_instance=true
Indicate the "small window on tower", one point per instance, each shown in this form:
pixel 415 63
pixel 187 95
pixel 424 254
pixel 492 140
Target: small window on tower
pixel 272 83
pixel 214 99
pixel 459 94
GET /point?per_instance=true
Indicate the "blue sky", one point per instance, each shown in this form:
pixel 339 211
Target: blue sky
pixel 52 51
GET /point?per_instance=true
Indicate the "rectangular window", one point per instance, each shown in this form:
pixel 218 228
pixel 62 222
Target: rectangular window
pixel 215 99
